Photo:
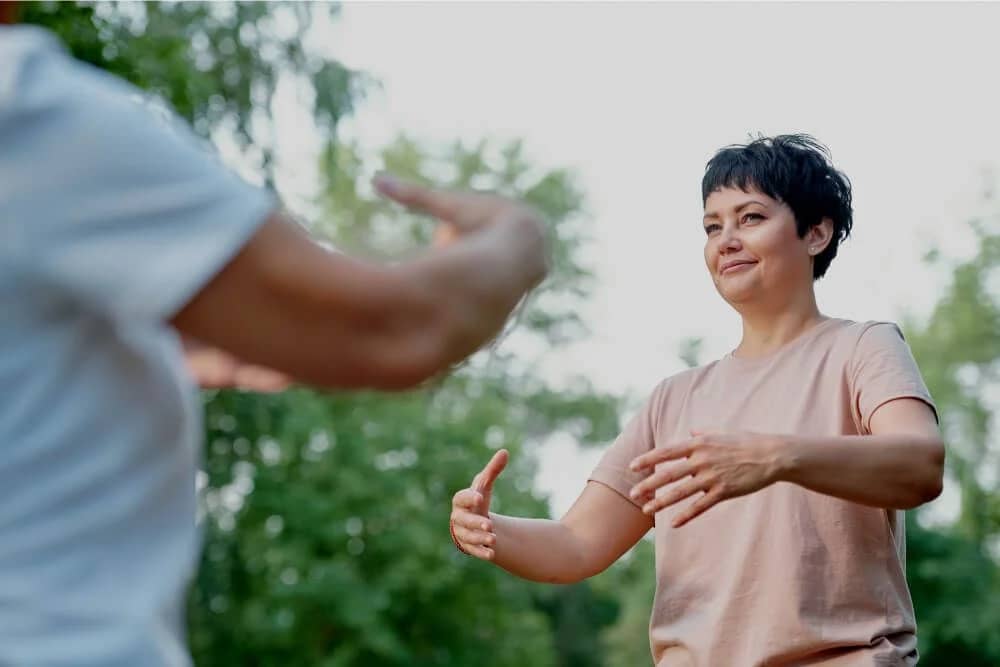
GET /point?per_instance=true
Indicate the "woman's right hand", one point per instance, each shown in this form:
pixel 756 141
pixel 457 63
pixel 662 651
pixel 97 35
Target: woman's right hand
pixel 471 525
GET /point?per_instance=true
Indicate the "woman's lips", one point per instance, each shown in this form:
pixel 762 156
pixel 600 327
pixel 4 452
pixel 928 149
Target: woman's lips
pixel 736 266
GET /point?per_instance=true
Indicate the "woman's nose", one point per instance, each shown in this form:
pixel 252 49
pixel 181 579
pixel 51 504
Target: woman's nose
pixel 728 239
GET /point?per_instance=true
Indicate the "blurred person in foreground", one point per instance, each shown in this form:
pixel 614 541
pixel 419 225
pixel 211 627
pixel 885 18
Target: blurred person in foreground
pixel 119 234
pixel 775 478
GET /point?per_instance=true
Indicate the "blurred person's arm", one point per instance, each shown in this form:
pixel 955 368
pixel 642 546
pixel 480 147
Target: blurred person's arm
pixel 599 527
pixel 137 223
pixel 287 303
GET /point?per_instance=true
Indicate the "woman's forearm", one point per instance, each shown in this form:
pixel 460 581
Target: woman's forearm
pixel 540 550
pixel 890 471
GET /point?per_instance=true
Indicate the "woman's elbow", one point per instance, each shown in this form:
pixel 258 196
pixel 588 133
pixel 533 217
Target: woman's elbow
pixel 933 468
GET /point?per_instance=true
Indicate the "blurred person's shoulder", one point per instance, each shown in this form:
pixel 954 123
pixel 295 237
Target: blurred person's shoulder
pixel 20 46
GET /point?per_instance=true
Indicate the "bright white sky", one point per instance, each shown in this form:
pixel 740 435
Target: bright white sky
pixel 635 98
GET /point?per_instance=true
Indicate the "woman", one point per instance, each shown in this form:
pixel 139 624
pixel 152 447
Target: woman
pixel 774 477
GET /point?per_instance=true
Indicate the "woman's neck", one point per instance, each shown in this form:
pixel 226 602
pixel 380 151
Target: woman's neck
pixel 766 330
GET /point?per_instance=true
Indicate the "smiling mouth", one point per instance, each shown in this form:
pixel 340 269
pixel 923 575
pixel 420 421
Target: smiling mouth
pixel 735 267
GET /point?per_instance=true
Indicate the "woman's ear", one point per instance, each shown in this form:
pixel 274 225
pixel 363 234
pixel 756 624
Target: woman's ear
pixel 819 236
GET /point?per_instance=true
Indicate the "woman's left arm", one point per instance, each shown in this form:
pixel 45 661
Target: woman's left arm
pixel 899 466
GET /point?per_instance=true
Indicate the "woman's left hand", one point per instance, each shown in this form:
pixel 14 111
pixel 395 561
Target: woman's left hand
pixel 716 465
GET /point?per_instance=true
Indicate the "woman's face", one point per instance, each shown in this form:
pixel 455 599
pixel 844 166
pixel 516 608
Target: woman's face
pixel 752 249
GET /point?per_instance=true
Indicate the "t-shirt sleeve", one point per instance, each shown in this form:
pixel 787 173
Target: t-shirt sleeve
pixel 637 438
pixel 883 370
pixel 122 210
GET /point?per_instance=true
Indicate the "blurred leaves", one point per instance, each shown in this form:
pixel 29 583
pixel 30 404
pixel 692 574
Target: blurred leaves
pixel 953 571
pixel 338 553
pixel 217 64
pixel 362 223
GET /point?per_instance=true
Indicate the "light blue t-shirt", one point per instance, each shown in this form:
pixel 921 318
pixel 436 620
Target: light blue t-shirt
pixel 111 219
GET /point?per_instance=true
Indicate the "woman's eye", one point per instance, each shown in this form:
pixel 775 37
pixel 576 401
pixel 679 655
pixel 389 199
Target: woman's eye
pixel 712 229
pixel 752 218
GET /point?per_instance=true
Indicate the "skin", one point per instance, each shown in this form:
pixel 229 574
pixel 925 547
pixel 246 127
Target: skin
pixel 286 307
pixel 761 267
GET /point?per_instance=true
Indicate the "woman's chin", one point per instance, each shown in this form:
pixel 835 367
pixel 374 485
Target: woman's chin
pixel 738 295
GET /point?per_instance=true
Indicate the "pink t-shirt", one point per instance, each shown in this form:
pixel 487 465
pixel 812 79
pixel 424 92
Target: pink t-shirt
pixel 783 576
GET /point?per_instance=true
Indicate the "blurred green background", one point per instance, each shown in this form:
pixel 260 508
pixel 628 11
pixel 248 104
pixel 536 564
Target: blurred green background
pixel 326 538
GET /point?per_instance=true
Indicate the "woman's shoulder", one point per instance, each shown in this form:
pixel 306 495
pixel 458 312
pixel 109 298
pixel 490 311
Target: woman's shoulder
pixel 868 331
pixel 856 342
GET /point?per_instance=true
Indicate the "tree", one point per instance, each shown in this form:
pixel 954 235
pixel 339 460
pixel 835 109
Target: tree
pixel 327 541
pixel 633 582
pixel 954 576
pixel 216 64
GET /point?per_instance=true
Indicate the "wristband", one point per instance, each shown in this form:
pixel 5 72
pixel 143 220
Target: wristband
pixel 451 529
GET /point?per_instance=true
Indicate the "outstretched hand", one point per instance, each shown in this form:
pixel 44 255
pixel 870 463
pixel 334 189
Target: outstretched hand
pixel 461 213
pixel 471 525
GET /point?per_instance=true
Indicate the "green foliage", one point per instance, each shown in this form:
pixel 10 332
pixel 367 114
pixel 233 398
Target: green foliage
pixel 632 580
pixel 363 223
pixel 954 586
pixel 328 541
pixel 954 580
pixel 217 64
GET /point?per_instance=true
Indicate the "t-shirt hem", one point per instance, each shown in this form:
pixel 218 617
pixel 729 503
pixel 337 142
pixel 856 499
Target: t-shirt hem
pixel 613 481
pixel 923 398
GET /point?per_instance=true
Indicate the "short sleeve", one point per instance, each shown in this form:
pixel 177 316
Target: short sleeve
pixel 104 201
pixel 883 369
pixel 637 438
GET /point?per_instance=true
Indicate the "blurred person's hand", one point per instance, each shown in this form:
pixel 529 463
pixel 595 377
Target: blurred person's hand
pixel 213 368
pixel 461 213
pixel 471 526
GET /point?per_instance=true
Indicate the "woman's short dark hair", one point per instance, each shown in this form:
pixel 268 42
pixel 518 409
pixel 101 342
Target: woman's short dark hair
pixel 792 168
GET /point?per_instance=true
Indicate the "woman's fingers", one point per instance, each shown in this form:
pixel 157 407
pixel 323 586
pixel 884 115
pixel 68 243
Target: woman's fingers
pixel 676 494
pixel 667 475
pixel 471 525
pixel 484 480
pixel 468 499
pixel 471 520
pixel 483 553
pixel 474 537
pixel 699 506
pixel 474 534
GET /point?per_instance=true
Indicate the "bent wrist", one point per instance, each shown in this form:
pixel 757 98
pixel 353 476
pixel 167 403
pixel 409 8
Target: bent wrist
pixel 786 458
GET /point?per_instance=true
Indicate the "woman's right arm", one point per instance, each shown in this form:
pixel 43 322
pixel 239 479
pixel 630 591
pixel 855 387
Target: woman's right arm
pixel 599 527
